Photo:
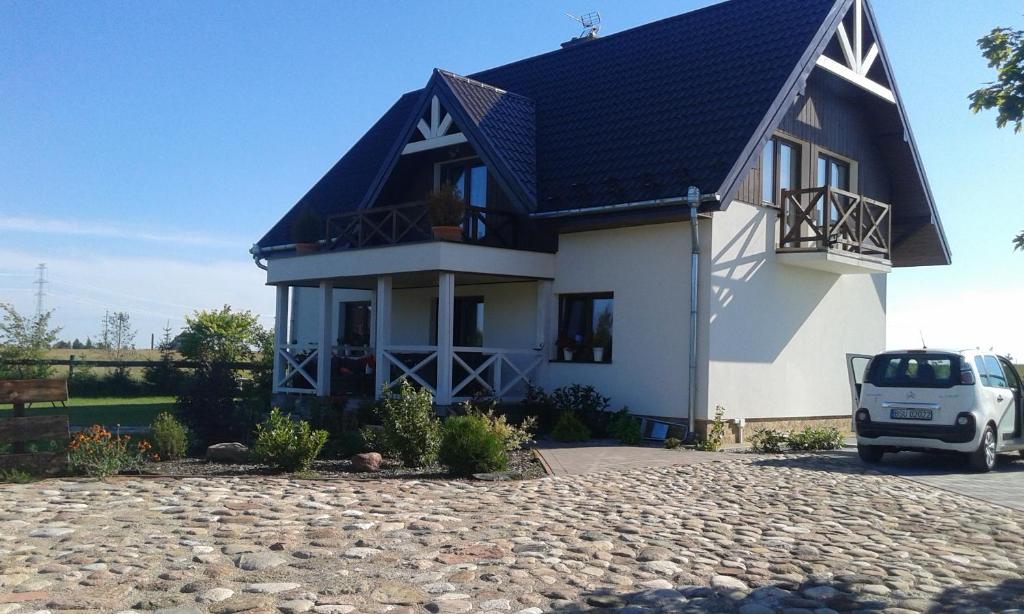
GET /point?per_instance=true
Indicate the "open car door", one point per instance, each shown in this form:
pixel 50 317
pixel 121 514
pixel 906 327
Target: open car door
pixel 857 366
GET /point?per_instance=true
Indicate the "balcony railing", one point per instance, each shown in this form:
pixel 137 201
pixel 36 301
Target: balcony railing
pixel 827 218
pixel 409 223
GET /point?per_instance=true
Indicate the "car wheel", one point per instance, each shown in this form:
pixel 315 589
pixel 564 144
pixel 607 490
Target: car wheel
pixel 870 454
pixel 984 458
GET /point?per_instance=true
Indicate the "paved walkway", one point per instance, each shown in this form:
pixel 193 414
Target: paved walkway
pixel 595 457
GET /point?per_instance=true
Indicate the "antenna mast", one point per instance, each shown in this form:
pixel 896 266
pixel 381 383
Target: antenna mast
pixel 40 285
pixel 591 23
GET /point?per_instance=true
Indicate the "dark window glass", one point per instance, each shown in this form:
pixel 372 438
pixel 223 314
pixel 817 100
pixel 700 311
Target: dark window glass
pixel 585 327
pixel 915 371
pixel 833 172
pixel 469 177
pixel 354 328
pixel 467 322
pixel 996 377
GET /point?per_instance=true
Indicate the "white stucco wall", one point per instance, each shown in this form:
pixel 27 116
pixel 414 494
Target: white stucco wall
pixel 648 270
pixel 778 334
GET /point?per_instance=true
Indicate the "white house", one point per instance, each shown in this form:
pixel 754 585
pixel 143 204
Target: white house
pixel 697 212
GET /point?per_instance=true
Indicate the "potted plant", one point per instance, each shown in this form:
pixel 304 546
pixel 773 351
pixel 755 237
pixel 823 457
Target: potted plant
pixel 445 208
pixel 307 230
pixel 569 347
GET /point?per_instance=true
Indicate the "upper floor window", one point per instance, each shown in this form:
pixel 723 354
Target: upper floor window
pixel 780 169
pixel 833 172
pixel 469 177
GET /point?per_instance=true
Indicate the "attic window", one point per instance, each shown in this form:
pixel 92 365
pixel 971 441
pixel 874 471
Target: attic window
pixel 780 169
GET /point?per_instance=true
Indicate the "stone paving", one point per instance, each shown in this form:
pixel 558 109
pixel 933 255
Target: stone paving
pixel 732 535
pixel 580 459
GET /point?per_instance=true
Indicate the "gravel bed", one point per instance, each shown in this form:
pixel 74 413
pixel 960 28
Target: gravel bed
pixel 522 465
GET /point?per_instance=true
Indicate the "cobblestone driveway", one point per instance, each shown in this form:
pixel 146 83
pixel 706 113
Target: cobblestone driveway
pixel 732 535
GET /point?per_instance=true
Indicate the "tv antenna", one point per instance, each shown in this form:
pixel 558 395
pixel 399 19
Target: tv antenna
pixel 591 23
pixel 40 283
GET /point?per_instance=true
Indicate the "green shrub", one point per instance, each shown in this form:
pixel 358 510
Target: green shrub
pixel 469 445
pixel 170 437
pixel 98 453
pixel 15 476
pixel 513 436
pixel 626 428
pixel 290 445
pixel 811 439
pixel 570 428
pixel 716 433
pixel 579 398
pixel 411 430
pixel 673 442
pixel 768 440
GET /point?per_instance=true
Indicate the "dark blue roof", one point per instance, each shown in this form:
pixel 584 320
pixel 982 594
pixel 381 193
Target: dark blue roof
pixel 641 114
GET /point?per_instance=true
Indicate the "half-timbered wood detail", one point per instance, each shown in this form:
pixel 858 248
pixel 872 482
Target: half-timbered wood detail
pixel 857 61
pixel 827 218
pixel 435 130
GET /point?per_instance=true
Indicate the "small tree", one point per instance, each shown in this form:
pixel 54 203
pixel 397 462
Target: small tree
pixel 118 335
pixel 24 338
pixel 163 377
pixel 221 335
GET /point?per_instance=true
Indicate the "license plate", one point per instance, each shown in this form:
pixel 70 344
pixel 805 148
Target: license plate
pixel 907 413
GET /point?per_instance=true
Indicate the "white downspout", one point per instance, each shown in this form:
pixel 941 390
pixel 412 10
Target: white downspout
pixel 693 199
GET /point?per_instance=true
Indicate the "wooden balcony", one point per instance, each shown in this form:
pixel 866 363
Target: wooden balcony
pixel 850 232
pixel 409 223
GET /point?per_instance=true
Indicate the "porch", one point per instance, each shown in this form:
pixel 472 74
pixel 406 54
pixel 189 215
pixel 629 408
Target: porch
pixel 454 333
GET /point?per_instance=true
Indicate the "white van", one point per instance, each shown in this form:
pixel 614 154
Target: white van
pixel 933 400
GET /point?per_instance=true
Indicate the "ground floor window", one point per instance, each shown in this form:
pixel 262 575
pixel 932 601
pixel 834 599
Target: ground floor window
pixel 354 324
pixel 585 327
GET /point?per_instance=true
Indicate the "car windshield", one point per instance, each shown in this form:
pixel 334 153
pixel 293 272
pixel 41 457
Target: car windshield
pixel 915 371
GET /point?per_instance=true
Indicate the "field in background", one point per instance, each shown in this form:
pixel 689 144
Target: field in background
pixel 108 411
pixel 94 354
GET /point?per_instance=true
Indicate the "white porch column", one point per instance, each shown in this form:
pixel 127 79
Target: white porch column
pixel 325 354
pixel 382 332
pixel 281 322
pixel 543 315
pixel 445 326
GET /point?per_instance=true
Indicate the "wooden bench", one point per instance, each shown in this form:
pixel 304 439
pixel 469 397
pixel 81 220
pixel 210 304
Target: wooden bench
pixel 20 428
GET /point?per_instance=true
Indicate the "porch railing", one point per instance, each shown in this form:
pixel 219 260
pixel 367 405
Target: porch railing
pixel 495 372
pixel 827 218
pixel 299 374
pixel 410 223
pixel 492 371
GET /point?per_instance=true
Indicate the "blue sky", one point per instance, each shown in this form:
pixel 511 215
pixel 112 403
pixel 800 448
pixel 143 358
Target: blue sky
pixel 146 146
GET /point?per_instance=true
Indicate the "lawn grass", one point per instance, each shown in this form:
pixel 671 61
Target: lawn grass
pixel 108 411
